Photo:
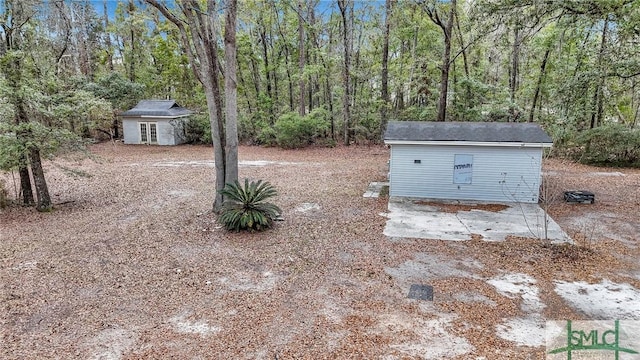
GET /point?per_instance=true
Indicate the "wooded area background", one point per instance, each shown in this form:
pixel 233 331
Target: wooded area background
pixel 323 72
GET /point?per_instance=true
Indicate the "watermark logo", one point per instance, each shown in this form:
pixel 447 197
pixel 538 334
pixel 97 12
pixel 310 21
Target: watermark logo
pixel 573 340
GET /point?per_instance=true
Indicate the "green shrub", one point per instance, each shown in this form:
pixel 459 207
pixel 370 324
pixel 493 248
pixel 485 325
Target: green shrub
pixel 295 131
pixel 611 144
pixel 267 136
pixel 367 127
pixel 504 112
pixel 251 127
pixel 247 131
pixel 245 208
pixel 198 129
pixel 415 113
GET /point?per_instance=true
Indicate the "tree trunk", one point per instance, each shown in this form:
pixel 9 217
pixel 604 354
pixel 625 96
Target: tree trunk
pixel 536 95
pixel 267 71
pixel 231 94
pixel 21 118
pixel 285 47
pixel 286 58
pixel 411 99
pixel 276 94
pixel 356 61
pixel 329 88
pixel 384 91
pixel 515 61
pixel 256 75
pixel 598 101
pixel 343 5
pixel 454 100
pixel 327 85
pixel 199 37
pixel 132 64
pixel 12 70
pixel 107 37
pixel 399 98
pixel 314 81
pixel 446 28
pixel 465 61
pixel 446 59
pixel 246 94
pixel 42 191
pixel 25 183
pixel 301 57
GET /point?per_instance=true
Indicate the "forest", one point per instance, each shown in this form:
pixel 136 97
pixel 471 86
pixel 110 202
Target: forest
pixel 316 72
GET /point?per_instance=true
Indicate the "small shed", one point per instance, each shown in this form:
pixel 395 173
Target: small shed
pixel 483 161
pixel 158 122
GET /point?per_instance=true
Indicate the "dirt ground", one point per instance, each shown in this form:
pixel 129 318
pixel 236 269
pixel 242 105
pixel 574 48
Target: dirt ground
pixel 131 264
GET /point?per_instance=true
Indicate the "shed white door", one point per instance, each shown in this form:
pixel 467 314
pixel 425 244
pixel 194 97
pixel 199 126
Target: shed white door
pixel 148 132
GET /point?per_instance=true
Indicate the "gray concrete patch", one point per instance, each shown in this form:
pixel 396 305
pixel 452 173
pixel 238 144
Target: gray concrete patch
pixel 604 300
pixel 527 329
pixel 210 163
pixel 431 337
pixel 306 207
pixel 407 219
pixel 427 267
pixel 606 173
pixel 597 225
pixel 111 344
pixel 374 189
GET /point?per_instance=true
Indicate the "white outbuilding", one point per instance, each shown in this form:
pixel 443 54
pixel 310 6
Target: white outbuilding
pixel 481 161
pixel 157 122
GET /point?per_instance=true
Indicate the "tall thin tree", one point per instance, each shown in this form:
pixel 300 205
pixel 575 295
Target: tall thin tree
pixel 301 59
pixel 198 34
pixel 345 6
pixel 446 26
pixel 384 88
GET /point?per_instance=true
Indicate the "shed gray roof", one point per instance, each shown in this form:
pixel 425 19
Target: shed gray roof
pixel 466 131
pixel 157 108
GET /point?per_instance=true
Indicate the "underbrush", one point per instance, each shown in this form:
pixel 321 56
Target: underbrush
pixel 607 145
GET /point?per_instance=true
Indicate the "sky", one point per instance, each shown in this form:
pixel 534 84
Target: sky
pixel 111 6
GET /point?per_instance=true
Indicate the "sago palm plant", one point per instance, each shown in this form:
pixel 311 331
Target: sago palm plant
pixel 245 208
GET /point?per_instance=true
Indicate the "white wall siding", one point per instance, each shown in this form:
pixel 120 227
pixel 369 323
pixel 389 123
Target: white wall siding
pixel 169 131
pixel 505 174
pixel 130 131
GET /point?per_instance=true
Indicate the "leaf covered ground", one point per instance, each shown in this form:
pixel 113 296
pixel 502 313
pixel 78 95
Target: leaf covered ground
pixel 131 264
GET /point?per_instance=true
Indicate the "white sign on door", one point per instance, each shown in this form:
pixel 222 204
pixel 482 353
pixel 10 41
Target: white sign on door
pixel 462 169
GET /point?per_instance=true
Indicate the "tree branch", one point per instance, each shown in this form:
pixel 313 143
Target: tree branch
pixel 195 66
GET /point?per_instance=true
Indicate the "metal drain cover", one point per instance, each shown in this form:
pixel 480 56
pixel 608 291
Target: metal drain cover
pixel 421 292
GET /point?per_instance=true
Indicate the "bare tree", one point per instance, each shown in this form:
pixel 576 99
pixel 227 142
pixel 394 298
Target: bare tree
pixel 446 27
pixel 301 58
pixel 107 38
pixel 384 91
pixel 598 94
pixel 344 6
pixel 231 93
pixel 198 34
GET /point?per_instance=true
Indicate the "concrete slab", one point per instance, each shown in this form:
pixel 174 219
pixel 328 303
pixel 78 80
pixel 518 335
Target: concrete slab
pixel 374 189
pixel 410 219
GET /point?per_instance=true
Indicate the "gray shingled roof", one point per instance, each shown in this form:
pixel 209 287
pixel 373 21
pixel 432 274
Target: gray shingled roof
pixel 157 108
pixel 466 131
